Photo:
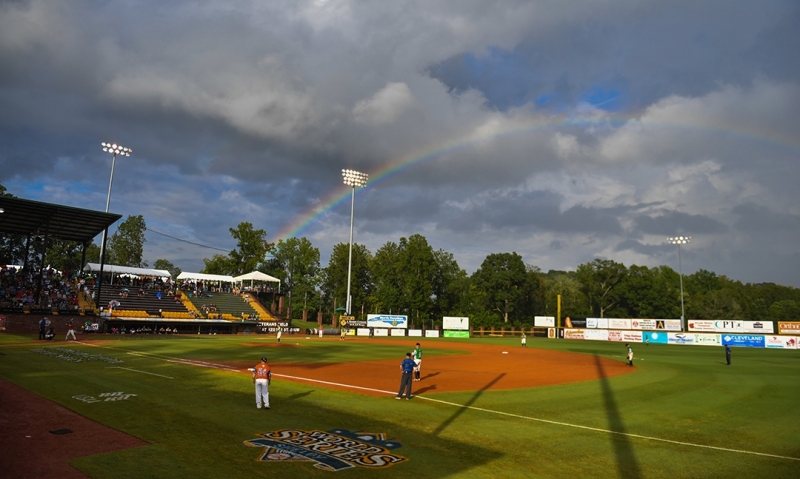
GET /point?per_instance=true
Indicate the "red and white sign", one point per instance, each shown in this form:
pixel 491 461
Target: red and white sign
pixel 573 334
pixel 643 324
pixel 701 325
pixel 781 342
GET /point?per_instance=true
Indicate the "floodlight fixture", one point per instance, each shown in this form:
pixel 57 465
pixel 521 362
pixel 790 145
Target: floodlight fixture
pixel 679 240
pixel 354 179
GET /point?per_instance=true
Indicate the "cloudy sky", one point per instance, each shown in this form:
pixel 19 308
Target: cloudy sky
pixel 564 131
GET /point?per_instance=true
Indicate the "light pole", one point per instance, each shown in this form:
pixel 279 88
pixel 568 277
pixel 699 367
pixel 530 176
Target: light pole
pixel 115 150
pixel 354 179
pixel 679 240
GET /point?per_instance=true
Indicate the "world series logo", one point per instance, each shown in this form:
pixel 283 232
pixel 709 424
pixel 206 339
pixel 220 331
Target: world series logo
pixel 328 450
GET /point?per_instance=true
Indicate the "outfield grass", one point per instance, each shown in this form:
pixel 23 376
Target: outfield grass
pixel 196 423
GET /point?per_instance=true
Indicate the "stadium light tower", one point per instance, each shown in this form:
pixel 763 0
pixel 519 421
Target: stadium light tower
pixel 679 240
pixel 115 150
pixel 353 179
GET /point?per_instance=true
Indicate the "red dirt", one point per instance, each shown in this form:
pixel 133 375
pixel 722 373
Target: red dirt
pixel 484 367
pixel 28 449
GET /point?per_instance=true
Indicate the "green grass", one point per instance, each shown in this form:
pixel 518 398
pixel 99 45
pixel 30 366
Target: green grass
pixel 197 422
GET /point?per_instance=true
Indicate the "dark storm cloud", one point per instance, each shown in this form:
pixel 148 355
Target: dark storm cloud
pixel 757 218
pixel 670 223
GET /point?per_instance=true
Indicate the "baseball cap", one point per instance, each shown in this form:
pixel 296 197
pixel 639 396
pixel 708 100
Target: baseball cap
pixel 264 359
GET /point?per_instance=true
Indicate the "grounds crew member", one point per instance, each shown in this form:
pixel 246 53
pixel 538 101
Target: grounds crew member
pixel 728 354
pixel 42 328
pixel 262 377
pixel 406 367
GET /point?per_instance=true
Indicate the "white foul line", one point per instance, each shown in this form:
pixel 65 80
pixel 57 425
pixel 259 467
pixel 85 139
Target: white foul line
pixel 557 423
pixel 137 371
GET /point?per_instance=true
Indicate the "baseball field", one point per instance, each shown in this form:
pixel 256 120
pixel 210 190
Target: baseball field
pixel 184 407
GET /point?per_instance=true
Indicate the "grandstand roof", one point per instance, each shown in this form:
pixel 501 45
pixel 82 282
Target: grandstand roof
pixel 112 268
pixel 28 217
pixel 206 277
pixel 257 276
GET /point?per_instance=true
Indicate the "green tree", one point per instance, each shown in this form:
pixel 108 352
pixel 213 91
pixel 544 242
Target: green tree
pixel 126 245
pixel 167 265
pixel 649 293
pixel 501 282
pixel 218 264
pixel 574 302
pixel 450 286
pixel 334 277
pixel 416 269
pixel 296 264
pixel 784 310
pixel 388 281
pixel 599 279
pixel 252 247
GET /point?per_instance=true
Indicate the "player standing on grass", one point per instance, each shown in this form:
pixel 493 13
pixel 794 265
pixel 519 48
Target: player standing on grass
pixel 279 334
pixel 524 340
pixel 262 377
pixel 417 361
pixel 406 368
pixel 630 355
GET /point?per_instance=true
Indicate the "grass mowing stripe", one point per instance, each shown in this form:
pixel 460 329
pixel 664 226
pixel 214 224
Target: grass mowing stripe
pixel 557 423
pixel 137 371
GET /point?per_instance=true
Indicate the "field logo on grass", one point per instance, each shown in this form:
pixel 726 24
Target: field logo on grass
pixel 328 450
pixel 115 396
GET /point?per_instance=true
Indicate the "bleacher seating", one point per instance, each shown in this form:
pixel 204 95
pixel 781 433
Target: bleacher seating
pixel 138 306
pixel 231 306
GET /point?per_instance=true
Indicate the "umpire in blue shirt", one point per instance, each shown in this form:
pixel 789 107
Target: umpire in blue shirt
pixel 407 367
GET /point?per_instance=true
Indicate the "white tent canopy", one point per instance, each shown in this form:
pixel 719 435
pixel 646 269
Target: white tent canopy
pixel 257 276
pixel 110 268
pixel 207 277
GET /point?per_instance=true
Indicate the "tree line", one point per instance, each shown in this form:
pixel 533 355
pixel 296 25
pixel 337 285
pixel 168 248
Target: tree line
pixel 410 277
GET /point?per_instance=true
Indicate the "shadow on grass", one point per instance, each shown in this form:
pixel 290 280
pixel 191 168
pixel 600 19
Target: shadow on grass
pixel 300 395
pixel 627 466
pixel 466 406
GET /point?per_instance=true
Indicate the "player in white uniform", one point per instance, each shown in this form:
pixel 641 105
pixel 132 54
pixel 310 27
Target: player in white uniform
pixel 262 376
pixel 70 331
pixel 280 331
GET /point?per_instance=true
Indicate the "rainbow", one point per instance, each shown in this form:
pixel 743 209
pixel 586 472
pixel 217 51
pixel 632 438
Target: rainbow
pixel 340 195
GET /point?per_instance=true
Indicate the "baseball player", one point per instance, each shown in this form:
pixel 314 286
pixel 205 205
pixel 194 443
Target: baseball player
pixel 70 331
pixel 417 356
pixel 406 368
pixel 280 332
pixel 630 355
pixel 42 328
pixel 262 377
pixel 524 340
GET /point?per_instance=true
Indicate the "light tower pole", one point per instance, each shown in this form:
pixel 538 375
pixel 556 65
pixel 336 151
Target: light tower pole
pixel 679 240
pixel 115 150
pixel 353 179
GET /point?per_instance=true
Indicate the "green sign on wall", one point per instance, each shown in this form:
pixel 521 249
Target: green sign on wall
pixel 456 334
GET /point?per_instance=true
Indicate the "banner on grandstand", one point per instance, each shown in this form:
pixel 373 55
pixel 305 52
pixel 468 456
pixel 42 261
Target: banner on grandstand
pixel 455 323
pixel 544 321
pixel 574 322
pixel 767 327
pixel 617 323
pixel 781 342
pixel 573 334
pixel 789 327
pixel 743 340
pixel 654 337
pixel 387 321
pixel 596 334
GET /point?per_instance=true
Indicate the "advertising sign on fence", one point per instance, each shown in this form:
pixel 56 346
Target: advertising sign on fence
pixel 457 323
pixel 767 327
pixel 596 334
pixel 456 334
pixel 781 342
pixel 743 340
pixel 707 339
pixel 387 321
pixel 574 322
pixel 591 323
pixel 655 338
pixel 380 332
pixel 362 331
pixel 669 324
pixel 729 326
pixel 616 323
pixel 680 338
pixel 544 321
pixel 701 325
pixel 643 324
pixel 432 333
pixel 415 332
pixel 789 327
pixel 397 332
pixel 626 336
pixel 573 334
